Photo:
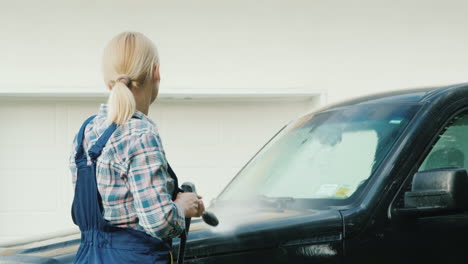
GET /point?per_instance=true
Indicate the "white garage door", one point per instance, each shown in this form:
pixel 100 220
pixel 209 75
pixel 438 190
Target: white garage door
pixel 206 142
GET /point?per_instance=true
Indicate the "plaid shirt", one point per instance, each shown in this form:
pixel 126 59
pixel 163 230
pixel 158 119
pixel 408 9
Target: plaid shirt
pixel 132 176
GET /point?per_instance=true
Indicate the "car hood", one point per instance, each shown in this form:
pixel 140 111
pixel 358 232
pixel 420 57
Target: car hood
pixel 243 229
pixel 304 232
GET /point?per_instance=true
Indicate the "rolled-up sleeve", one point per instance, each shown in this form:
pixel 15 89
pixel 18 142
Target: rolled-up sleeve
pixel 147 181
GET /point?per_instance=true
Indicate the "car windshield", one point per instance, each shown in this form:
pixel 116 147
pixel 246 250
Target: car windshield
pixel 324 155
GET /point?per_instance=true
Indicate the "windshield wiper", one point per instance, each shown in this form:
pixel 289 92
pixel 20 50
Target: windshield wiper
pixel 279 203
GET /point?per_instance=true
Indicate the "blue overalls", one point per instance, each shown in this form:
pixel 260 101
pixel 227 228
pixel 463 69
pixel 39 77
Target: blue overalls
pixel 101 242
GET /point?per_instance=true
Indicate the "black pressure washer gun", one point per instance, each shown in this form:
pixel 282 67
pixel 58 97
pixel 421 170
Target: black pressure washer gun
pixel 208 217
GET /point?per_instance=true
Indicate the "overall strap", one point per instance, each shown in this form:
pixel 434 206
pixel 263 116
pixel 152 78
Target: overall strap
pixel 79 148
pixel 95 151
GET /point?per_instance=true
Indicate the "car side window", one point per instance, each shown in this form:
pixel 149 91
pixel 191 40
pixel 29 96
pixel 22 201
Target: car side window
pixel 451 149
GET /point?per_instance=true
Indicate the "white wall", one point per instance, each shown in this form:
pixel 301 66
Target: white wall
pixel 347 48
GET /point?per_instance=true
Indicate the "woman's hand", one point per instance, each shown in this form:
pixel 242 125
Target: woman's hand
pixel 191 203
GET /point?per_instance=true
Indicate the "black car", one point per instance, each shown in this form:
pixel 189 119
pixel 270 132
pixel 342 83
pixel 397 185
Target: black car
pixel 378 179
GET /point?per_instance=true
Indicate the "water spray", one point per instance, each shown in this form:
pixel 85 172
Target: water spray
pixel 208 217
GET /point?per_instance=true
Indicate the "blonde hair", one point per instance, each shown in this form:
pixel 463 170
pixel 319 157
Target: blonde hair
pixel 127 62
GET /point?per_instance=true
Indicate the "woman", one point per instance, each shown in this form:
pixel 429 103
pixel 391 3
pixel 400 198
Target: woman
pixel 126 202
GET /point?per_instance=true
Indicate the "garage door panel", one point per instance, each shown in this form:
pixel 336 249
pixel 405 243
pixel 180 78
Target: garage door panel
pixel 29 190
pixel 27 123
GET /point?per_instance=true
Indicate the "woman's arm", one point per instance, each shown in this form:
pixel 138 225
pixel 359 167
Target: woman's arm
pixel 147 181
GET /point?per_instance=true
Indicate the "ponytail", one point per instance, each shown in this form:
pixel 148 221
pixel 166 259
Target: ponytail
pixel 121 104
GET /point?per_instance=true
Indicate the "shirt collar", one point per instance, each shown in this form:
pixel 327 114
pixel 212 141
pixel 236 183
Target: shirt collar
pixel 104 107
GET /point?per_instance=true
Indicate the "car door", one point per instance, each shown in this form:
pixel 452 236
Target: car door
pixel 441 238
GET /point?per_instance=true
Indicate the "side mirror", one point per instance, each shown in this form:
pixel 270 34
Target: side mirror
pixel 436 192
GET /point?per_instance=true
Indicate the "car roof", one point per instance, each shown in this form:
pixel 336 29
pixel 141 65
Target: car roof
pixel 399 96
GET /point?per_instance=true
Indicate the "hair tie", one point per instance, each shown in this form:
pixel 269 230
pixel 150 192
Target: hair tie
pixel 124 79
